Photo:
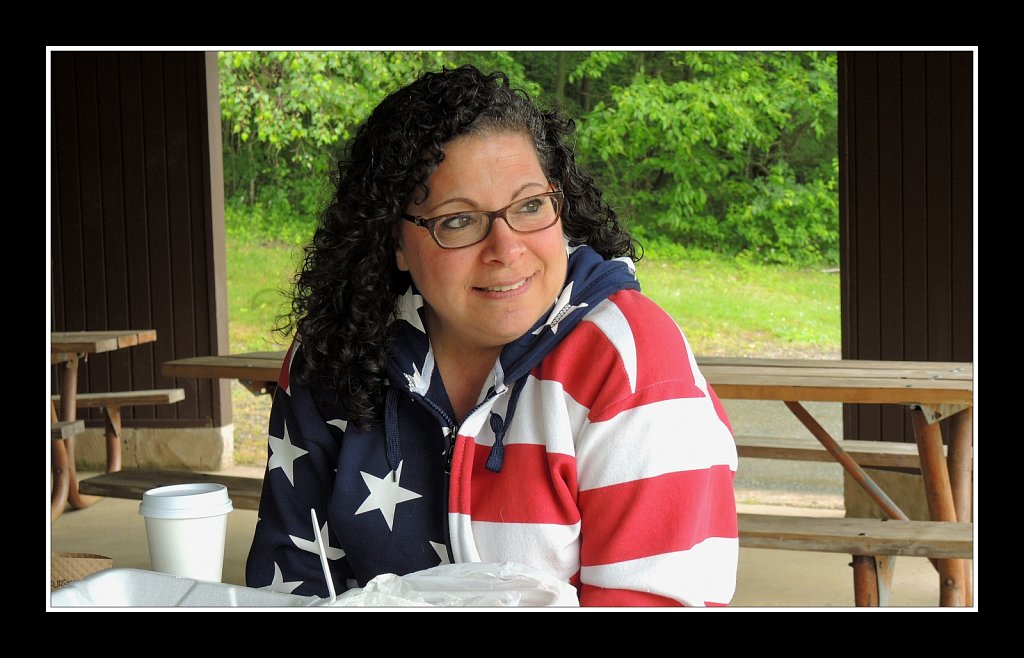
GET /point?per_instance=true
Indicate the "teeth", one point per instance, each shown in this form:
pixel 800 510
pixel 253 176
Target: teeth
pixel 505 288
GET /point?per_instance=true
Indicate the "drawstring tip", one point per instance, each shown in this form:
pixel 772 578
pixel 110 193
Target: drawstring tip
pixel 496 458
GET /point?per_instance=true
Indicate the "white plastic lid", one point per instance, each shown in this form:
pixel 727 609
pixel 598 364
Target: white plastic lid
pixel 186 501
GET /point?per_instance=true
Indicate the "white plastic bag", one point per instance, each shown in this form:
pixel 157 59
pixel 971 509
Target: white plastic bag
pixel 467 584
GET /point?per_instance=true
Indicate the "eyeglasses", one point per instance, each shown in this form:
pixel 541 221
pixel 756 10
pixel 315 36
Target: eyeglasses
pixel 463 229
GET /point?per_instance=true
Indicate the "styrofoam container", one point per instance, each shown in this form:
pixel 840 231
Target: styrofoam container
pixel 115 588
pixel 468 584
pixel 185 527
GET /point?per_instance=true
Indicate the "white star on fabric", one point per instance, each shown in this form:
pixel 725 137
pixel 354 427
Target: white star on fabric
pixel 408 309
pixel 279 584
pixel 420 382
pixel 339 423
pixel 385 494
pixel 310 545
pixel 441 551
pixel 562 308
pixel 284 454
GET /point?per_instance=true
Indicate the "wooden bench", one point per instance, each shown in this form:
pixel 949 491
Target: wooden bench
pixel 873 543
pixel 933 539
pixel 794 533
pixel 132 483
pixel 865 453
pixel 111 404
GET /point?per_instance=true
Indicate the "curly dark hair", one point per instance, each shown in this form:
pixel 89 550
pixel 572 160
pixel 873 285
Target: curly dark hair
pixel 345 293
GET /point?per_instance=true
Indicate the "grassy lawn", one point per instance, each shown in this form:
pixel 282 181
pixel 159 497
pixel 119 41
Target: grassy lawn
pixel 734 309
pixel 724 307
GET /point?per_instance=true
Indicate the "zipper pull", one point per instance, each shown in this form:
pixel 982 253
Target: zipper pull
pixel 450 452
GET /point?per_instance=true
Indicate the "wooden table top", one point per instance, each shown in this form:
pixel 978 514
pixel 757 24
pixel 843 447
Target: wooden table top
pixel 803 380
pixel 65 344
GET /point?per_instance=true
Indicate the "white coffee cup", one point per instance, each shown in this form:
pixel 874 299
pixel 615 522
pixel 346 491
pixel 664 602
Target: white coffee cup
pixel 186 525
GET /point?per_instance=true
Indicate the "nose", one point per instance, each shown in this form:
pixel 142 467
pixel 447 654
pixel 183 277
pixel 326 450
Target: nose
pixel 502 245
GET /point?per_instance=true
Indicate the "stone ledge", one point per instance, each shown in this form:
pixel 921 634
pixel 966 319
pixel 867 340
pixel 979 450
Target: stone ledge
pixel 193 448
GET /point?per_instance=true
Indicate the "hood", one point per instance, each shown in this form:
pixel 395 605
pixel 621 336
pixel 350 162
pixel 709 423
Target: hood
pixel 590 279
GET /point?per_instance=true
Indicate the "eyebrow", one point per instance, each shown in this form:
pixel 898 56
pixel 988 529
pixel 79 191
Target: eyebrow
pixel 470 202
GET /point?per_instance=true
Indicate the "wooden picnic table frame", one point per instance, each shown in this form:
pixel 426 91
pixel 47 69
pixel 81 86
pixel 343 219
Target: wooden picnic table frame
pixel 932 391
pixel 67 349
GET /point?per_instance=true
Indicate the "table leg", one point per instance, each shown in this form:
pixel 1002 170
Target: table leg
pixel 59 472
pixel 68 393
pixel 884 502
pixel 960 460
pixel 872 579
pixel 939 494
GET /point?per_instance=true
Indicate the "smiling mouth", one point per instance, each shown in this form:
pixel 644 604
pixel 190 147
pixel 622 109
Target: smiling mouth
pixel 511 286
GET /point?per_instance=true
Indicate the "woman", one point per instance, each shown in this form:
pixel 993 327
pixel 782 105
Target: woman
pixel 476 376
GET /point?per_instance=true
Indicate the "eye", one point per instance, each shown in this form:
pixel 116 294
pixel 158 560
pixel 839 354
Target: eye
pixel 457 222
pixel 530 206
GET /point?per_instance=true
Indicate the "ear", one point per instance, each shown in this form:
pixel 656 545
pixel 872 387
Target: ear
pixel 400 258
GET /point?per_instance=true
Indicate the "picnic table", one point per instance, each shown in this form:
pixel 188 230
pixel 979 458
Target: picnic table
pixel 67 350
pixel 931 391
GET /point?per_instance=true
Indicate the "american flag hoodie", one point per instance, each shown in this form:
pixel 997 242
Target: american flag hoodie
pixel 597 452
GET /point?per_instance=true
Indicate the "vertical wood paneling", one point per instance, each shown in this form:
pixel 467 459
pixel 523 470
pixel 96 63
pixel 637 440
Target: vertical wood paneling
pixel 136 205
pixel 112 215
pixel 906 216
pixel 915 205
pixel 201 340
pixel 962 203
pixel 940 234
pixel 131 220
pixel 865 306
pixel 890 230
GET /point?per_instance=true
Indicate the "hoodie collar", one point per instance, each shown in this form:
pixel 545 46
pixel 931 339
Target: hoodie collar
pixel 590 279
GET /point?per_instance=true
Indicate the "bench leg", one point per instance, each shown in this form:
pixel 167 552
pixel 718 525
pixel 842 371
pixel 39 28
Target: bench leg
pixel 68 393
pixel 939 494
pixel 872 579
pixel 58 473
pixel 112 432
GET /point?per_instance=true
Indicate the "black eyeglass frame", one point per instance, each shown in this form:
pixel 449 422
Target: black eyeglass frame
pixel 491 216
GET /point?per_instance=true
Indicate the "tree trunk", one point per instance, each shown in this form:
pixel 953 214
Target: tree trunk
pixel 560 81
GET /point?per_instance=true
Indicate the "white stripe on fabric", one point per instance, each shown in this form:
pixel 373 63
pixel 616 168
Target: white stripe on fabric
pixel 654 439
pixel 460 530
pixel 545 415
pixel 705 573
pixel 550 547
pixel 610 320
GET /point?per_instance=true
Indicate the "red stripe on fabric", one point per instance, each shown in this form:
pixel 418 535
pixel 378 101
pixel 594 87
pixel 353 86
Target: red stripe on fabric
pixel 284 377
pixel 587 366
pixel 657 515
pixel 670 390
pixel 663 368
pixel 460 492
pixel 600 596
pixel 532 487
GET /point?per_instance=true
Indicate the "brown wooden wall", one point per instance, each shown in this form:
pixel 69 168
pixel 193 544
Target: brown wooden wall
pixel 137 218
pixel 906 216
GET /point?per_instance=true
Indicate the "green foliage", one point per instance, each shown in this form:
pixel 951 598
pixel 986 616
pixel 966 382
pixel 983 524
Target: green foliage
pixel 696 144
pixel 731 152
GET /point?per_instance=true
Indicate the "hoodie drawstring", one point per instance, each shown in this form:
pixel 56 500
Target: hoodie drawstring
pixel 496 458
pixel 393 450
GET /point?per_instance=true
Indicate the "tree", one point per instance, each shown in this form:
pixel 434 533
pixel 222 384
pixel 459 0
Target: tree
pixel 728 151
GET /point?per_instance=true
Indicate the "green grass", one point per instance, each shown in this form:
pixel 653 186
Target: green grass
pixel 259 280
pixel 739 309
